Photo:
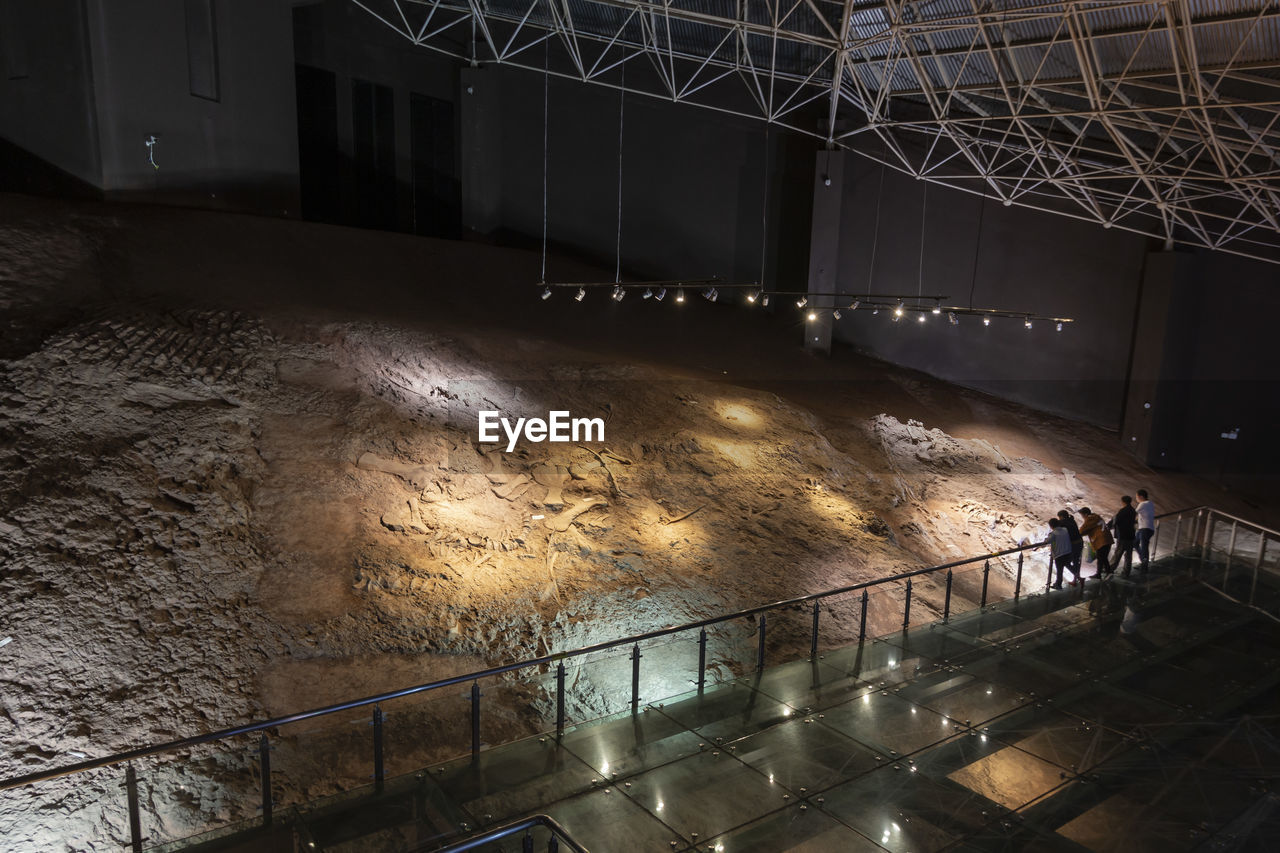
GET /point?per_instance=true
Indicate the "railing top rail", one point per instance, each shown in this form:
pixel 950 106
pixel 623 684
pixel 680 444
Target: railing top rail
pixel 515 828
pixel 197 740
pixel 1244 521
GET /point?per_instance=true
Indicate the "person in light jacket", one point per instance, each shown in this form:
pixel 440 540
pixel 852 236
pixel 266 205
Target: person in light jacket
pixel 1060 552
pixel 1146 528
pixel 1093 527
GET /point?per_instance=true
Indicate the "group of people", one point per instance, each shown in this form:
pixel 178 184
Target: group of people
pixel 1129 530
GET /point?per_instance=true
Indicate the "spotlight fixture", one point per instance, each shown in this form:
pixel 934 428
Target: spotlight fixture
pixel 648 293
pixel 897 312
pixel 920 318
pixel 986 321
pixel 1059 327
pixel 680 294
pixel 764 300
pixel 802 301
pixel 751 297
pixel 661 294
pixel 580 295
pixel 710 294
pixel 875 311
pixel 813 315
pixel 854 305
pixel 937 308
pixel 951 318
pixel 1027 322
pixel 619 293
pixel 546 293
pixel 836 313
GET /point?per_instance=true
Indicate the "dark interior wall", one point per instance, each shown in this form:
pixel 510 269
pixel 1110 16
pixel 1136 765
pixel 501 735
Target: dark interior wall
pixel 213 81
pixel 46 84
pixel 1226 368
pixel 1026 261
pixel 692 181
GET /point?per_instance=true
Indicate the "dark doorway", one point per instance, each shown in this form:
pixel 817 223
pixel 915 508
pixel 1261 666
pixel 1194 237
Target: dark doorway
pixel 319 161
pixel 437 194
pixel 373 126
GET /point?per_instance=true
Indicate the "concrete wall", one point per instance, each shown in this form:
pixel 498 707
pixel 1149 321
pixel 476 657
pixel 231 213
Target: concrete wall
pixel 46 84
pixel 239 151
pixel 1026 261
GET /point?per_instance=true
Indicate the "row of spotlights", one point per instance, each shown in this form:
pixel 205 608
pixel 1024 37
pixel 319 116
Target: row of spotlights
pixel 711 295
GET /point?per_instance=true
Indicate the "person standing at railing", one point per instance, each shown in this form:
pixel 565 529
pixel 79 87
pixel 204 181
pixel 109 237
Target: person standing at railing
pixel 1077 541
pixel 1100 539
pixel 1060 552
pixel 1146 528
pixel 1125 525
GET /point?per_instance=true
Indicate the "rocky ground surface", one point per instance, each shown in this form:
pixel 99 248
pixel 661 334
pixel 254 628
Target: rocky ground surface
pixel 215 509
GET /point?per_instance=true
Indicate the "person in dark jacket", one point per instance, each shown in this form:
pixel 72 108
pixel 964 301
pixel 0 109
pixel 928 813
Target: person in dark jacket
pixel 1077 541
pixel 1125 526
pixel 1092 526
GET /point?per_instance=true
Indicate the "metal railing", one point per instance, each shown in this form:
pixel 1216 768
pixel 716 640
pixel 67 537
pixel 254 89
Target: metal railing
pixel 558 836
pixel 1200 522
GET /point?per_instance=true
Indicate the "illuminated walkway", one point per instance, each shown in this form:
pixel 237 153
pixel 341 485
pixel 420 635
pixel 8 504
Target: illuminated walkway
pixel 1127 719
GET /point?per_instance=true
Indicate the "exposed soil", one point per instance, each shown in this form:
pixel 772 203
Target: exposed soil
pixel 239 477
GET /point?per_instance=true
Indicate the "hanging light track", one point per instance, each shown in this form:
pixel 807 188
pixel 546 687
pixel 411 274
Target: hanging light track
pixel 897 305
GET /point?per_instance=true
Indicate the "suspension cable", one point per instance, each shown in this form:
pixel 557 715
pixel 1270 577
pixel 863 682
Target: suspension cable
pixel 622 101
pixel 924 213
pixel 764 205
pixel 546 101
pixel 875 238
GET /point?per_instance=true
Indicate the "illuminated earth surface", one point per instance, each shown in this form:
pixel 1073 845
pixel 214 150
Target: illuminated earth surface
pixel 240 477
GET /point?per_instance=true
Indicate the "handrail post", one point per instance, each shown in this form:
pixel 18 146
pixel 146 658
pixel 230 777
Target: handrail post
pixel 702 659
pixel 1177 536
pixel 135 817
pixel 553 844
pixel 560 699
pixel 946 604
pixel 862 627
pixel 635 678
pixel 1231 547
pixel 264 768
pixel 526 843
pixel 986 576
pixel 379 769
pixel 906 610
pixel 813 645
pixel 760 645
pixel 475 718
pixel 1017 581
pixel 1257 564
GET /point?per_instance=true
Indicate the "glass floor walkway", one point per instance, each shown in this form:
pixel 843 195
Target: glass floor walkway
pixel 1121 717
